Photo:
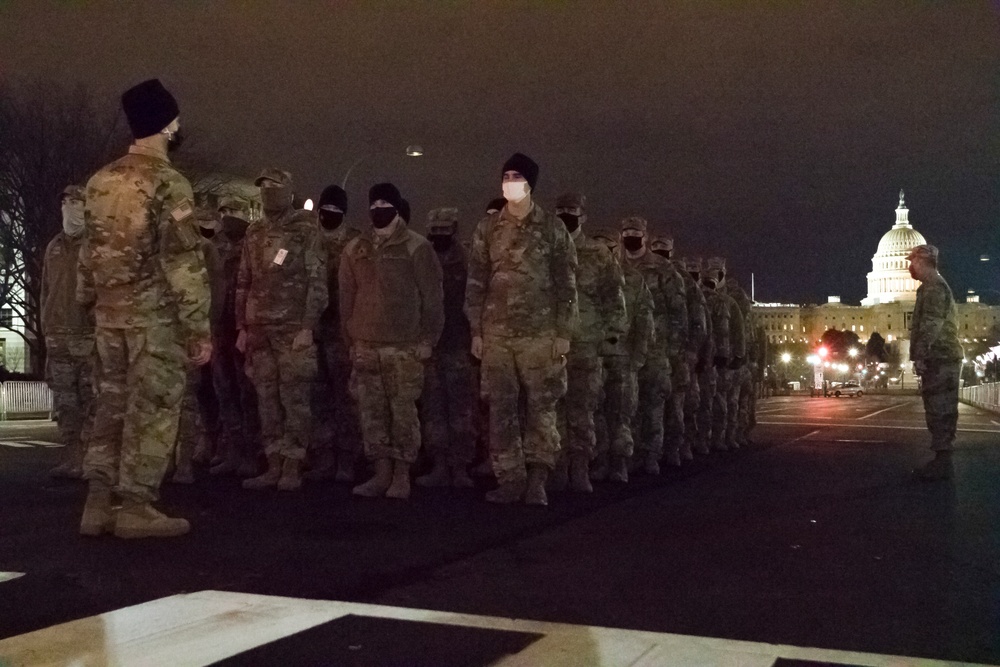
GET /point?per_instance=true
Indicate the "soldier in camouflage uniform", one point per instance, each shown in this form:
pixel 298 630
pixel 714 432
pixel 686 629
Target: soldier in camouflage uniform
pixel 670 340
pixel 69 336
pixel 142 268
pixel 391 307
pixel 601 304
pixel 698 407
pixel 337 442
pixel 521 302
pixel 449 400
pixel 748 374
pixel 621 363
pixel 726 408
pixel 937 358
pixel 685 398
pixel 280 294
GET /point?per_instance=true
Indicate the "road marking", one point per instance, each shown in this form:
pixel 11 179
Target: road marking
pixel 11 443
pixel 28 444
pixel 9 576
pixel 854 425
pixel 891 407
pixel 802 437
pixel 868 442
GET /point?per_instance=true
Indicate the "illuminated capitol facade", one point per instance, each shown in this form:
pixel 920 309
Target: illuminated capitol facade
pixel 888 307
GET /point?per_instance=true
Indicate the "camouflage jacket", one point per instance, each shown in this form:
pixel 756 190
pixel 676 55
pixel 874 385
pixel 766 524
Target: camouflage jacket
pixel 669 304
pixel 600 290
pixel 61 313
pixel 639 319
pixel 390 292
pixel 933 331
pixel 282 278
pixel 745 305
pixel 141 263
pixel 718 313
pixel 224 287
pixel 457 334
pixel 522 277
pixel 334 243
pixel 697 309
pixel 737 331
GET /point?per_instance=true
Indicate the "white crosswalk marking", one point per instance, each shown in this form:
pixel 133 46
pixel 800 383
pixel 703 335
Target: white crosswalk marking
pixel 28 444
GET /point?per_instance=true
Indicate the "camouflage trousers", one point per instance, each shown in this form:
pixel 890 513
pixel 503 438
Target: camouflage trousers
pixel 190 428
pixel 282 378
pixel 939 390
pixel 733 407
pixel 141 374
pixel 654 390
pixel 512 366
pixel 720 407
pixel 240 425
pixel 387 381
pixel 448 407
pixel 747 407
pixel 69 370
pixel 692 402
pixel 617 405
pixel 584 379
pixel 674 406
pixel 336 414
pixel 707 383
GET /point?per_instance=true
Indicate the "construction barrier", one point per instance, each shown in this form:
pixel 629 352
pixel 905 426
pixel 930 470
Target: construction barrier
pixel 19 398
pixel 985 396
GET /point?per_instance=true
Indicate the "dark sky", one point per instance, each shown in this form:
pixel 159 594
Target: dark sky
pixel 777 134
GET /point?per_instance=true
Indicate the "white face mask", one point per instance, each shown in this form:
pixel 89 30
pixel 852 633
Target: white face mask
pixel 72 214
pixel 515 191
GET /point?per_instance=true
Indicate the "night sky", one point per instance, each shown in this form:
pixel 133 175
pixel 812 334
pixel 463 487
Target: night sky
pixel 777 135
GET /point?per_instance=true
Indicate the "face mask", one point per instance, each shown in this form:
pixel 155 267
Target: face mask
pixel 710 283
pixel 695 276
pixel 233 227
pixel 662 253
pixel 515 191
pixel 441 242
pixel 330 219
pixel 72 219
pixel 276 199
pixel 382 217
pixel 632 243
pixel 174 140
pixel 571 221
pixel 207 232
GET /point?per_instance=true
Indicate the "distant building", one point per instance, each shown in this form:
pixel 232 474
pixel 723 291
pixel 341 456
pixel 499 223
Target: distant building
pixel 13 351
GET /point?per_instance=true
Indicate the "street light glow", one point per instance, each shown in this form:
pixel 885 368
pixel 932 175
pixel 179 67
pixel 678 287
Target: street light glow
pixel 414 150
pixel 786 357
pixel 822 352
pixel 853 352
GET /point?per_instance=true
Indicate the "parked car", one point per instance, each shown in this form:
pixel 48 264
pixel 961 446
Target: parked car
pixel 851 389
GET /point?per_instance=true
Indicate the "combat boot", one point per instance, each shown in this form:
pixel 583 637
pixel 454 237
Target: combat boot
pixel 672 459
pixel 460 477
pixel 560 476
pixel 290 479
pixel 619 470
pixel 269 478
pixel 579 474
pixel 507 492
pixel 438 476
pixel 202 451
pixel 183 474
pixel 534 494
pixel 67 470
pixel 686 453
pixel 938 468
pixel 98 516
pixel 599 471
pixel 484 469
pixel 140 519
pixel 379 483
pixel 345 468
pixel 702 448
pixel 324 467
pixel 400 487
pixel 651 463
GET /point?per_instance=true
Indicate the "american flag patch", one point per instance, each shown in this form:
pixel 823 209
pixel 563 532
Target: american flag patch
pixel 183 211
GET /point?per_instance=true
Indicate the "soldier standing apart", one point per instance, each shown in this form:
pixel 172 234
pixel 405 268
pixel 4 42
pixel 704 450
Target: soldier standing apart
pixel 670 340
pixel 338 439
pixel 601 303
pixel 449 403
pixel 937 358
pixel 392 314
pixel 142 267
pixel 521 302
pixel 725 410
pixel 280 293
pixel 69 336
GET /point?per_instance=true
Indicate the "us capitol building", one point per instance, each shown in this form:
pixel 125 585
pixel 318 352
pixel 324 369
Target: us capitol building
pixel 888 308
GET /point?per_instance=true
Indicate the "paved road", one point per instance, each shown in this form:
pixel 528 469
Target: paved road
pixel 816 537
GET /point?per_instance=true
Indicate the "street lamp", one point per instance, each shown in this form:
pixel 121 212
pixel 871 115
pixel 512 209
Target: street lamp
pixel 853 352
pixel 413 150
pixel 786 357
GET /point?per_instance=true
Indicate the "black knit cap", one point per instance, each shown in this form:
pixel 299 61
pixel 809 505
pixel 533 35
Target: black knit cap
pixel 149 107
pixel 386 192
pixel 523 165
pixel 404 211
pixel 497 204
pixel 333 195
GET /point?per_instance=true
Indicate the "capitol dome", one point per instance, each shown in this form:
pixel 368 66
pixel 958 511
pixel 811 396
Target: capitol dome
pixel 890 279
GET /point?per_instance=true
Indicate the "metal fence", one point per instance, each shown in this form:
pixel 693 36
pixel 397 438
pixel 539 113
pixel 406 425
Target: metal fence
pixel 20 398
pixel 986 396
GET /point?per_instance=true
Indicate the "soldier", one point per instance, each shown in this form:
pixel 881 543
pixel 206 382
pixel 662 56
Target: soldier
pixel 713 410
pixel 937 358
pixel 601 303
pixel 670 341
pixel 521 302
pixel 69 336
pixel 698 406
pixel 449 399
pixel 391 307
pixel 747 372
pixel 142 268
pixel 685 397
pixel 621 363
pixel 726 407
pixel 332 405
pixel 280 294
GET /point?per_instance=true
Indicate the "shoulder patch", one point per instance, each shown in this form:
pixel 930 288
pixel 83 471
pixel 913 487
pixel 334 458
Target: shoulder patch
pixel 182 211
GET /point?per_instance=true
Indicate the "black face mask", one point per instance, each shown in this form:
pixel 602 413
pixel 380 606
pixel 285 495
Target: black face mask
pixel 695 276
pixel 330 219
pixel 441 242
pixel 662 253
pixel 207 232
pixel 234 228
pixel 175 141
pixel 382 217
pixel 632 243
pixel 571 221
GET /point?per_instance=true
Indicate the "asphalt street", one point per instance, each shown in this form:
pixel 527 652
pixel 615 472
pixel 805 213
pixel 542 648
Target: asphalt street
pixel 817 536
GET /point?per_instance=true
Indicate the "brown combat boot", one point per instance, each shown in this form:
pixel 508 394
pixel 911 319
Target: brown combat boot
pixel 324 467
pixel 579 474
pixel 270 477
pixel 559 479
pixel 535 494
pixel 438 476
pixel 98 516
pixel 508 492
pixel 484 468
pixel 938 468
pixel 460 477
pixel 600 470
pixel 619 470
pixel 345 467
pixel 380 483
pixel 67 470
pixel 290 479
pixel 140 519
pixel 651 463
pixel 400 487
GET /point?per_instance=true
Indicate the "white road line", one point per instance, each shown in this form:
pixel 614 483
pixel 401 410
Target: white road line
pixel 891 407
pixel 898 428
pixel 42 443
pixel 11 443
pixel 868 442
pixel 802 437
pixel 8 576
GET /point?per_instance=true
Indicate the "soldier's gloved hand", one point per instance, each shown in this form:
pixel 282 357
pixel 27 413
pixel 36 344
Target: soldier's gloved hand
pixel 477 347
pixel 423 352
pixel 201 352
pixel 720 362
pixel 241 341
pixel 560 348
pixel 302 340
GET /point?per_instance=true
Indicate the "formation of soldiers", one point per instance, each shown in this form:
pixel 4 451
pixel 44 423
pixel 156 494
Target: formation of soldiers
pixel 554 355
